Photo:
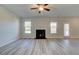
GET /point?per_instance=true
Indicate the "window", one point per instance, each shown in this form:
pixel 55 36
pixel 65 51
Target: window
pixel 28 27
pixel 53 27
pixel 66 29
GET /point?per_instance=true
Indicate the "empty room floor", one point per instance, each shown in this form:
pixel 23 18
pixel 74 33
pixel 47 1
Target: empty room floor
pixel 41 47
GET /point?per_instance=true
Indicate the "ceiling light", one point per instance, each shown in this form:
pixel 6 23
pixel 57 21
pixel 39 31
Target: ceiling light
pixel 41 9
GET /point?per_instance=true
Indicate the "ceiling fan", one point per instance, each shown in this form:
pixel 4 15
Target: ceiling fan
pixel 41 7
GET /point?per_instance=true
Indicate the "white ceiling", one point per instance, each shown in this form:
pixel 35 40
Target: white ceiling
pixel 24 11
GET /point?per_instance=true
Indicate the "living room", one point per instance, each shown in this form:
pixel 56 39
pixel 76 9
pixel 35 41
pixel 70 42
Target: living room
pixel 39 29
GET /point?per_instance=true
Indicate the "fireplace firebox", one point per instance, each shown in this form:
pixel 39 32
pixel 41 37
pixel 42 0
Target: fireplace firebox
pixel 40 34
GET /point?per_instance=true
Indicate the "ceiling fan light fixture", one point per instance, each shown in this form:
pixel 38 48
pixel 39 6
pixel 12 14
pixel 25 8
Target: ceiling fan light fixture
pixel 41 9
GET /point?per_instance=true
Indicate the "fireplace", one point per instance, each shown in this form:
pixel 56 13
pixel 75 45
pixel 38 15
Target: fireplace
pixel 40 34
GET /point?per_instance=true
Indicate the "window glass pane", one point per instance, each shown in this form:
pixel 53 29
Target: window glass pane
pixel 66 29
pixel 53 27
pixel 27 31
pixel 27 27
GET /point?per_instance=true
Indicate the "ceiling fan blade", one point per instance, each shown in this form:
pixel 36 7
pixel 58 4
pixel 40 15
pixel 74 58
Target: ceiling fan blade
pixel 45 4
pixel 33 8
pixel 38 4
pixel 46 9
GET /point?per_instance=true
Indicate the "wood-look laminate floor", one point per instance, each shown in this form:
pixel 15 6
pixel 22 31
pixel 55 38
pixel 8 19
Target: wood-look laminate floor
pixel 41 47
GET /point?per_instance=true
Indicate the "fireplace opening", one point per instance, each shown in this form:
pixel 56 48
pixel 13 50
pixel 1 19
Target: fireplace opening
pixel 40 34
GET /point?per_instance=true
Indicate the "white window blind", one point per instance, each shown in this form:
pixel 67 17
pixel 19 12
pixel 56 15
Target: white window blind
pixel 53 27
pixel 66 29
pixel 27 26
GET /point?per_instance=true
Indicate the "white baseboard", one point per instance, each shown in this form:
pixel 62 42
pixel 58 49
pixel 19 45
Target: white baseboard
pixel 57 37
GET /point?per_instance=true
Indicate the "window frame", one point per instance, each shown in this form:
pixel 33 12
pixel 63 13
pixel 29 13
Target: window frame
pixel 53 27
pixel 27 28
pixel 66 29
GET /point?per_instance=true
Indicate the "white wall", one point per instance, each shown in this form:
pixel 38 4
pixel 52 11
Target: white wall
pixel 9 27
pixel 44 23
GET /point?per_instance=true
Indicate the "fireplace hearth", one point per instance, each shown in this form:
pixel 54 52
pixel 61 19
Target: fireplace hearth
pixel 40 34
